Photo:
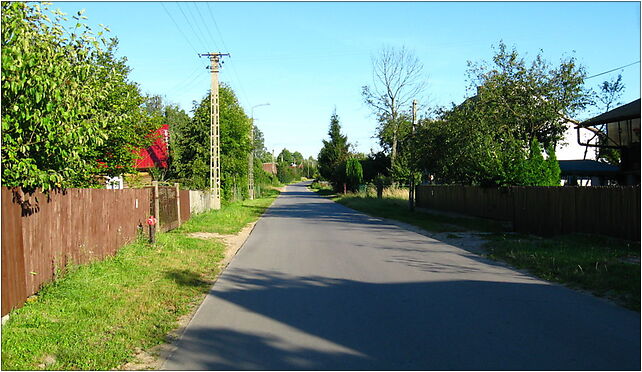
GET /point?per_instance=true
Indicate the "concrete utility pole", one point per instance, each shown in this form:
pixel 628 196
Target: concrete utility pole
pixel 215 137
pixel 250 174
pixel 411 192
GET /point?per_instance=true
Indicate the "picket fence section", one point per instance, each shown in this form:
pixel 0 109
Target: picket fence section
pixel 41 233
pixel 546 211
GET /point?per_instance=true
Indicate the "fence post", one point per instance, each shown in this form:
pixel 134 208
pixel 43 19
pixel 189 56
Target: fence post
pixel 178 202
pixel 156 203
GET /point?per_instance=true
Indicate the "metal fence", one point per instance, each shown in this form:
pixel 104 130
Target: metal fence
pixel 42 233
pixel 612 211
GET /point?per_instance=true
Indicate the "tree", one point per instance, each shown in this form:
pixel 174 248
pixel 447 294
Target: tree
pixel 192 146
pixel 333 153
pixel 69 112
pixel 528 101
pixel 609 94
pixel 489 138
pixel 286 157
pixel 297 158
pixel 354 173
pixel 397 80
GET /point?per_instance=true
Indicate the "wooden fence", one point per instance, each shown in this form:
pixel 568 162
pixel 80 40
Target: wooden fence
pixel 613 211
pixel 41 233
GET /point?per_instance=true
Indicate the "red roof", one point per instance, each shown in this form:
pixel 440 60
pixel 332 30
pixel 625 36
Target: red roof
pixel 156 155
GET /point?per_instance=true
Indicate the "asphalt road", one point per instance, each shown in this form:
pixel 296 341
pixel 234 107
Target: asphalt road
pixel 320 286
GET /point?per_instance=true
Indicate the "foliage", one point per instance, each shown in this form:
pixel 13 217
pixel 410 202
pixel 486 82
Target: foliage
pixel 261 154
pixel 69 112
pixel 192 146
pixel 375 164
pixel 334 153
pixel 487 139
pixel 288 173
pixel 609 95
pixel 354 173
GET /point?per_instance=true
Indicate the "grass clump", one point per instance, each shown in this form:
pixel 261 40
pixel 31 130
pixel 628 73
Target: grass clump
pixel 604 266
pixel 96 315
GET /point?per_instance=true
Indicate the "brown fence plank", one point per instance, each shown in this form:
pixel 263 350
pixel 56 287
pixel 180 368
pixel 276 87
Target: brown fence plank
pixel 613 211
pixel 77 225
pixel 14 287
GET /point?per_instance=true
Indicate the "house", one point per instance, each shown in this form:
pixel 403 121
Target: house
pixel 154 156
pixel 618 129
pixel 270 168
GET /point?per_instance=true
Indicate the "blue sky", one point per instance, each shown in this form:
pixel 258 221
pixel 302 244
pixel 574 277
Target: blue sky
pixel 306 58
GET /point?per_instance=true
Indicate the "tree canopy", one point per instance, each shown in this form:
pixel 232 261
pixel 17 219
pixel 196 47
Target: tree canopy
pixel 69 110
pixel 334 152
pixel 489 138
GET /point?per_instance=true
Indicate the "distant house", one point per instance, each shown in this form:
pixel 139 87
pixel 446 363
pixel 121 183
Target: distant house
pixel 270 168
pixel 621 128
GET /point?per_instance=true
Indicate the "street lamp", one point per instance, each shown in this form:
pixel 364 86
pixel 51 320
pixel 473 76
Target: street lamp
pixel 250 174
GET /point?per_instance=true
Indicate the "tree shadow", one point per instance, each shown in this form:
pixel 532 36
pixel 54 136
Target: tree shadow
pixel 261 320
pixel 186 278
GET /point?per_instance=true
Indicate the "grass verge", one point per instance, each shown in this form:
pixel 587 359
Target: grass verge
pixel 98 314
pixel 605 266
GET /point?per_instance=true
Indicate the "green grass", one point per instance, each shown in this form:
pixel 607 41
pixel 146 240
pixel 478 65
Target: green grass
pixel 232 217
pixel 593 263
pixel 97 314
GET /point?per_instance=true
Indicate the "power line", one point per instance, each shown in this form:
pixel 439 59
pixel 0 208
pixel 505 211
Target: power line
pixel 615 69
pixel 247 101
pixel 190 25
pixel 205 26
pixel 179 29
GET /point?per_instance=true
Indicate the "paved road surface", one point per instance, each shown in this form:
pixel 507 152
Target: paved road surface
pixel 319 286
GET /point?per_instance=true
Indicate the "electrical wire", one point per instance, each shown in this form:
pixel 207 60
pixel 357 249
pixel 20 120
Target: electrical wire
pixel 179 29
pixel 247 101
pixel 615 69
pixel 206 27
pixel 190 25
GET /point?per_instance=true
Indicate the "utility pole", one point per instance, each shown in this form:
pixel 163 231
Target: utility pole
pixel 215 133
pixel 411 192
pixel 250 174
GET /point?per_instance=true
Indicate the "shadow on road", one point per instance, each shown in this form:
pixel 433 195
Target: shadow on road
pixel 448 325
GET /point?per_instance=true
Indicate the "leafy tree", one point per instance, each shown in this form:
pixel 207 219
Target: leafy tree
pixel 286 157
pixel 528 101
pixel 297 158
pixel 354 173
pixel 487 140
pixel 608 97
pixel 397 80
pixel 260 152
pixel 69 112
pixel 192 146
pixel 374 164
pixel 334 152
